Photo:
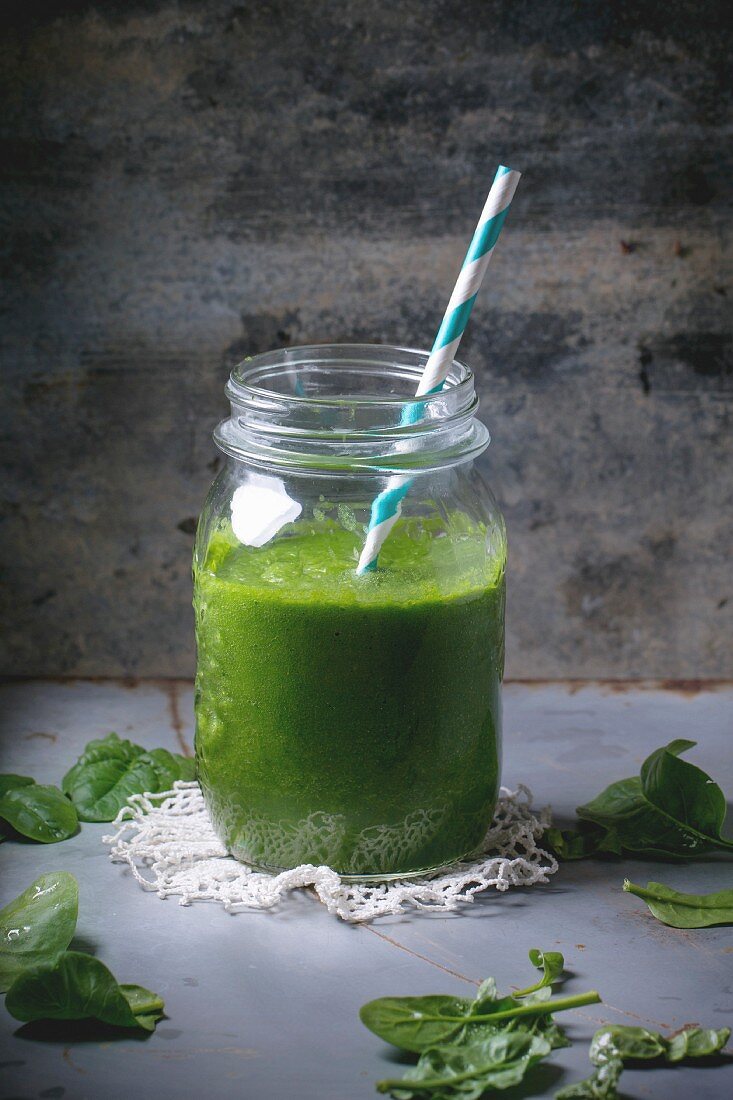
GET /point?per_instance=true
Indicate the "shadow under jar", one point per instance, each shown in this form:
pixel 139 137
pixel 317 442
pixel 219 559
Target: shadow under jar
pixel 345 719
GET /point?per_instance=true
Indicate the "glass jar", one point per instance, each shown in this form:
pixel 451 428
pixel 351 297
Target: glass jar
pixel 347 719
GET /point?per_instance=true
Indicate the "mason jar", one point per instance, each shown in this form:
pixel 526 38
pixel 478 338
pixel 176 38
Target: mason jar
pixel 349 718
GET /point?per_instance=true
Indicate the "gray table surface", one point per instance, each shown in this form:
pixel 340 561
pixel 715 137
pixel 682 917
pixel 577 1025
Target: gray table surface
pixel 264 1004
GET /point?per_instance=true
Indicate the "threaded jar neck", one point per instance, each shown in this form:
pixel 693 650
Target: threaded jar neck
pixel 344 407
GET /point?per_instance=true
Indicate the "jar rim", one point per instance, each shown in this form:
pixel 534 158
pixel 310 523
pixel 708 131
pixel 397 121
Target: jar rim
pixel 321 406
pixel 240 378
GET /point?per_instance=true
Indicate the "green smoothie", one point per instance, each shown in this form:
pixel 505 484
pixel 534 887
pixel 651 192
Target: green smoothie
pixel 350 720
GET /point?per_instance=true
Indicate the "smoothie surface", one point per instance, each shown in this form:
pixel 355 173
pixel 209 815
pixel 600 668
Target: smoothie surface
pixel 312 560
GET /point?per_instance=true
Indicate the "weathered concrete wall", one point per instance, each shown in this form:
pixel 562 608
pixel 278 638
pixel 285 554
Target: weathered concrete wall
pixel 186 183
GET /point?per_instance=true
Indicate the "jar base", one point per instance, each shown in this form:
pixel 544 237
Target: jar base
pixel 382 876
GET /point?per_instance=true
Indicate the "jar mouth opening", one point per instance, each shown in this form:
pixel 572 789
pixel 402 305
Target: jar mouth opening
pixel 306 373
pixel 349 406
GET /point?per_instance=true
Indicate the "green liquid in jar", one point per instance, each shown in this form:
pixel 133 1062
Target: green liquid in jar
pixel 349 720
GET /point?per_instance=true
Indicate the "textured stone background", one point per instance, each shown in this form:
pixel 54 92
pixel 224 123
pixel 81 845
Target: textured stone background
pixel 186 183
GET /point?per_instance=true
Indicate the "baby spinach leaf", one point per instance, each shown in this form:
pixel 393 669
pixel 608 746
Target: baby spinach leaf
pixel 9 782
pixel 544 1025
pixel 635 825
pixel 601 1085
pixel 697 1042
pixel 38 925
pixel 587 840
pixel 686 794
pixel 147 1007
pixel 39 813
pixel 487 991
pixel 672 810
pixel 468 1070
pixel 550 962
pixel 616 1044
pixel 105 775
pixel 486 1003
pixel 171 766
pixel 417 1023
pixel 111 769
pixel 617 1041
pixel 80 987
pixel 680 910
pixel 547 1027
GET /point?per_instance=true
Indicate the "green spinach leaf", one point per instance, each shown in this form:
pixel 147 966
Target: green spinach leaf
pixel 9 782
pixel 617 1041
pixel 686 794
pixel 111 769
pixel 587 840
pixel 671 810
pixel 551 963
pixel 680 910
pixel 549 1029
pixel 601 1085
pixel 696 1042
pixel 468 1070
pixel 38 925
pixel 80 987
pixel 544 1025
pixel 616 1044
pixel 147 1007
pixel 39 813
pixel 486 991
pixel 417 1023
pixel 485 1003
pixel 171 766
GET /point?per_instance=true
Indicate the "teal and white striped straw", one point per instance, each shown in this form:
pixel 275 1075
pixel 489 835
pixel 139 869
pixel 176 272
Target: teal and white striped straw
pixel 387 506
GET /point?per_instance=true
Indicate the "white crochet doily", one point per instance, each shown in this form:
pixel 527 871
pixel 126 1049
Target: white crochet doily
pixel 169 844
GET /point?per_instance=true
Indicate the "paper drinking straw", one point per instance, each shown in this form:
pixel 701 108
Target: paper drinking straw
pixel 387 506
